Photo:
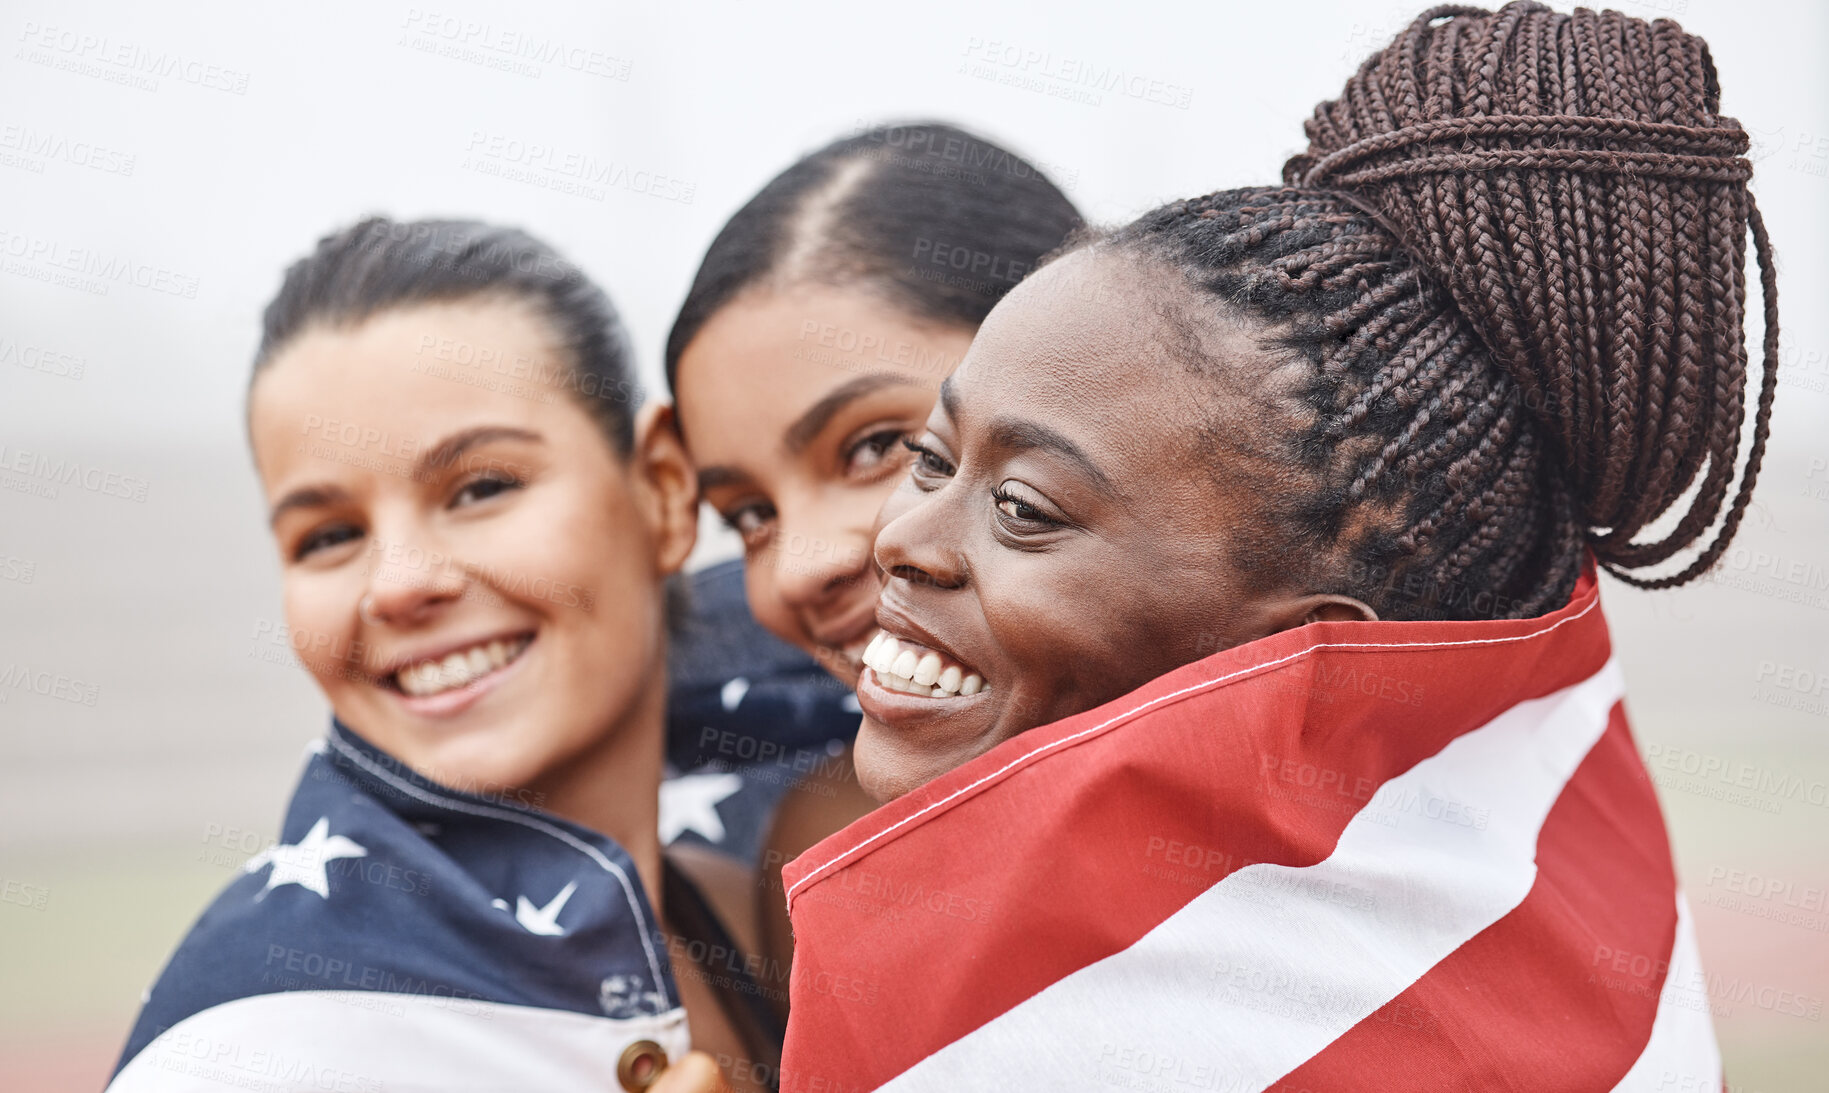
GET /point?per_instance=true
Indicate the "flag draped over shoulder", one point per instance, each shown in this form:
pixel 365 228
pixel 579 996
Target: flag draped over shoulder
pixel 403 935
pixel 1418 855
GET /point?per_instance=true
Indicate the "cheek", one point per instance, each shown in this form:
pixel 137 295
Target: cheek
pixel 603 612
pixel 1070 628
pixel 839 533
pixel 582 541
pixel 600 564
pixel 320 625
pixel 766 604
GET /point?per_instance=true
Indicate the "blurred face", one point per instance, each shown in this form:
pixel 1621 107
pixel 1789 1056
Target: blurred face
pixel 794 405
pixel 1062 536
pixel 472 576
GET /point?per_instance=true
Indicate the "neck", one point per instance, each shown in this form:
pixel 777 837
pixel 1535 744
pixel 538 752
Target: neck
pixel 613 788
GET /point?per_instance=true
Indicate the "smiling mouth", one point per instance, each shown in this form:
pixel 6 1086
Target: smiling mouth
pixel 459 668
pixel 912 668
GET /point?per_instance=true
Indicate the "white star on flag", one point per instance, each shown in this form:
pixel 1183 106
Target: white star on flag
pixel 731 694
pixel 690 803
pixel 303 863
pixel 543 920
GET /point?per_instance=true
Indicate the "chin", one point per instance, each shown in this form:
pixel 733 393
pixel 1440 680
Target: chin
pixel 486 764
pixel 886 769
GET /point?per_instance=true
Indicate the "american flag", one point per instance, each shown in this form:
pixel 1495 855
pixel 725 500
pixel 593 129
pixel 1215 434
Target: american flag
pixel 405 935
pixel 1393 855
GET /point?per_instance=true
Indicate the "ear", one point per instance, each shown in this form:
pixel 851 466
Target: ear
pixel 1328 607
pixel 670 484
pixel 1287 614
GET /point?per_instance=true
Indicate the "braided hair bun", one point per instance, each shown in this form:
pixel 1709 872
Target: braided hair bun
pixel 1568 181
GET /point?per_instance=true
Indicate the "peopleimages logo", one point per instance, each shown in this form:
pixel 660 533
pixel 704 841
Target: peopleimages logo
pixel 1077 79
pixel 124 62
pixel 37 473
pixel 46 684
pixel 507 48
pixel 38 358
pixel 1735 781
pixel 569 170
pixel 31 149
pixel 45 259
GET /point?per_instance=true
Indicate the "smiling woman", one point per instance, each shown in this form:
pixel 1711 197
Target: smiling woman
pixel 1059 537
pixel 811 344
pixel 474 527
pixel 446 581
pixel 815 337
pixel 1272 522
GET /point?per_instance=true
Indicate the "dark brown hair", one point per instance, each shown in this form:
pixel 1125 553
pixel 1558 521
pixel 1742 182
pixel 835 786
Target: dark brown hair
pixel 377 265
pixel 876 211
pixel 1513 259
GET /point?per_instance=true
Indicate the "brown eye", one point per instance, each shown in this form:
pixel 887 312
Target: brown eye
pixel 750 521
pixel 320 539
pixel 873 452
pixel 1018 509
pixel 1020 514
pixel 928 464
pixel 483 488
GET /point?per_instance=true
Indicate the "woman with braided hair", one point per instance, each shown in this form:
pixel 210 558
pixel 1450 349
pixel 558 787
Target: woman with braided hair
pixel 1300 735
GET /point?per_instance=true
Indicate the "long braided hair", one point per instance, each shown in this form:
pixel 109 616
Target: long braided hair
pixel 1513 260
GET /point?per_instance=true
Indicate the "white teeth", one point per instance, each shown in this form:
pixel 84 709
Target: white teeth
pixel 913 670
pixel 903 684
pixel 414 680
pixel 927 670
pixel 459 668
pixel 881 654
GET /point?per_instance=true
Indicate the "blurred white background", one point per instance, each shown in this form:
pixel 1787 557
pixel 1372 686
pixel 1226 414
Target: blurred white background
pixel 181 155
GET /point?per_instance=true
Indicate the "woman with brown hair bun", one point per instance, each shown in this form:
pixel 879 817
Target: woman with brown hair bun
pixel 1570 181
pixel 1300 740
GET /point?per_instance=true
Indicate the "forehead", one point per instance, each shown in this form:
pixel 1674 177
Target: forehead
pixel 416 371
pixel 768 355
pixel 778 368
pixel 1098 346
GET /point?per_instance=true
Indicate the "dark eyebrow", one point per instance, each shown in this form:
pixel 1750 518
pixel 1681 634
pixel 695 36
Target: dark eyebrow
pixel 306 497
pixel 817 416
pixel 1020 435
pixel 446 451
pixel 949 398
pixel 710 478
pixel 439 456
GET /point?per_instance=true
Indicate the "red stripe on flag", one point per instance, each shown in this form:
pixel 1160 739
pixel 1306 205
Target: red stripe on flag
pixel 1560 993
pixel 953 904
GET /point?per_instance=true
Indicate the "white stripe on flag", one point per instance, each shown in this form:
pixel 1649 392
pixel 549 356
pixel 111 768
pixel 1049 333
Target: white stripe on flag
pixel 1681 1054
pixel 1263 970
pixel 371 1040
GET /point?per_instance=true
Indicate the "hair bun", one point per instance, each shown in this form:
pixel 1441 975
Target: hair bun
pixel 1568 180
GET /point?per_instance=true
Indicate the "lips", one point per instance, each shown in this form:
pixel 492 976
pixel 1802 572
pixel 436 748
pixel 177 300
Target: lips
pixel 909 667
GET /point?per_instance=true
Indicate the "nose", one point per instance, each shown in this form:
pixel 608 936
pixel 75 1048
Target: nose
pixel 411 581
pixel 920 538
